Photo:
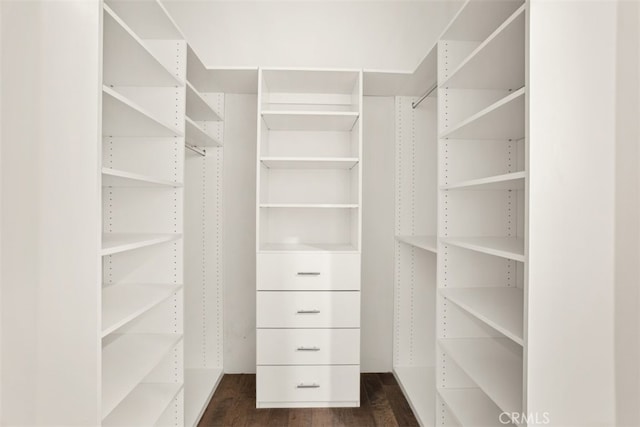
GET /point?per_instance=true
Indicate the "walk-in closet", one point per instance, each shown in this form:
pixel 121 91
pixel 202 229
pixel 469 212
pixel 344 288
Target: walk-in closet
pixel 312 213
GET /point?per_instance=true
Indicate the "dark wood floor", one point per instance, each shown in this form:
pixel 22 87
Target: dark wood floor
pixel 381 404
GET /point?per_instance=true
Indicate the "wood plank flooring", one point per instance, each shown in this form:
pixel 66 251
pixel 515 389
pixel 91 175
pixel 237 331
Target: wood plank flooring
pixel 381 404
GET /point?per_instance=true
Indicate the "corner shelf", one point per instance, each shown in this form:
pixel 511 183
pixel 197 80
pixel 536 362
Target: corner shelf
pixel 198 137
pixel 198 108
pixel 428 243
pixel 494 364
pixel 122 117
pixel 504 247
pixel 310 120
pixel 125 302
pixel 419 386
pixel 113 243
pixel 123 46
pixel 501 308
pixel 119 178
pixel 310 205
pixel 508 181
pixel 309 162
pixel 504 46
pixel 471 407
pixel 127 360
pixel 503 119
pixel 199 386
pixel 144 405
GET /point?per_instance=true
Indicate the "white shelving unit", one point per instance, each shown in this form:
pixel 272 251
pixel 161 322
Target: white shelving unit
pixel 428 243
pixel 482 204
pixel 308 215
pixel 203 290
pixel 143 99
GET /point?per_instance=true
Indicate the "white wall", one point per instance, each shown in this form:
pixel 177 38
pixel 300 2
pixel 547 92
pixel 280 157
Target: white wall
pixel 50 212
pixel 340 34
pixel 627 291
pixel 572 103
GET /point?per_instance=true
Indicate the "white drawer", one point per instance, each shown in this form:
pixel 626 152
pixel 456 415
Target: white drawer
pixel 308 346
pixel 308 272
pixel 308 310
pixel 308 385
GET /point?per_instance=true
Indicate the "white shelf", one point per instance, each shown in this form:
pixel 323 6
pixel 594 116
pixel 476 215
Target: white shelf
pixel 501 308
pixel 309 162
pixel 307 247
pixel 113 243
pixel 508 181
pixel 127 60
pixel 144 405
pixel 428 243
pixel 419 387
pixel 471 407
pixel 126 360
pixel 494 364
pixel 124 302
pixel 199 386
pixel 310 120
pixel 504 46
pixel 198 108
pixel 148 18
pixel 503 119
pixel 195 135
pixel 122 117
pixel 120 178
pixel 476 20
pixel 310 205
pixel 505 247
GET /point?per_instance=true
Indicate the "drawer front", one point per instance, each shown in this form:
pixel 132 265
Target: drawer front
pixel 308 310
pixel 308 272
pixel 308 346
pixel 307 384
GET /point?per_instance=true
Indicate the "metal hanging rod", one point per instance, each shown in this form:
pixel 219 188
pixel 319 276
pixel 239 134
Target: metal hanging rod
pixel 422 98
pixel 201 151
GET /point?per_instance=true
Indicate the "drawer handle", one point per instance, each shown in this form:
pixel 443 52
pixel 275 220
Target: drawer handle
pixel 308 273
pixel 314 385
pixel 308 348
pixel 308 311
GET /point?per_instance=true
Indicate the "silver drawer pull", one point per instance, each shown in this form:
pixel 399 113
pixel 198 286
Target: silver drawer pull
pixel 308 348
pixel 308 273
pixel 308 311
pixel 303 385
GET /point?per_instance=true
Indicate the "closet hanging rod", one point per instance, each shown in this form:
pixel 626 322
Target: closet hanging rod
pixel 201 151
pixel 422 98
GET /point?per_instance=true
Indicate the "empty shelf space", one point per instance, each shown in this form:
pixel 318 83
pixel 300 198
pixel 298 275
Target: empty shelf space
pixel 144 405
pixel 198 108
pixel 419 387
pixel 120 178
pixel 126 360
pixel 508 181
pixel 503 119
pixel 504 46
pixel 471 407
pixel 494 364
pixel 428 243
pixel 199 385
pixel 476 20
pixel 113 243
pixel 309 162
pixel 127 61
pixel 122 117
pixel 505 247
pixel 310 120
pixel 311 205
pixel 197 136
pixel 501 308
pixel 308 247
pixel 124 302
